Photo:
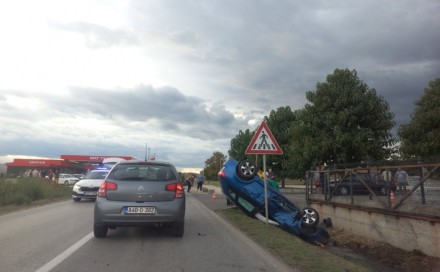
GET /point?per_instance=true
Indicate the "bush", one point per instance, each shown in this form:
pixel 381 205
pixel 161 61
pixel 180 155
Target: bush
pixel 26 190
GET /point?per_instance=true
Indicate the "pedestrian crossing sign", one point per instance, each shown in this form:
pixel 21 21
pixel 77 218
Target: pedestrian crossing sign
pixel 263 142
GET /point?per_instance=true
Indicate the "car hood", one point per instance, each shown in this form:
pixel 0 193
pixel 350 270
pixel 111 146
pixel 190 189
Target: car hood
pixel 90 182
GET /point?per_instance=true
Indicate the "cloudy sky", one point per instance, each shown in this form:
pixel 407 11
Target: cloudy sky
pixel 101 77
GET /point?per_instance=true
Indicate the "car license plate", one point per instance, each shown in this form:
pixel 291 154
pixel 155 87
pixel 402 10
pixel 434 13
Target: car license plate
pixel 139 210
pixel 89 193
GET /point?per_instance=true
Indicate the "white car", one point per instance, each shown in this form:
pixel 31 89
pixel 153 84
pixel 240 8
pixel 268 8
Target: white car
pixel 89 185
pixel 67 179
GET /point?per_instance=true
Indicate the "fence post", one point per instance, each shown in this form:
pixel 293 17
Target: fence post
pixel 421 174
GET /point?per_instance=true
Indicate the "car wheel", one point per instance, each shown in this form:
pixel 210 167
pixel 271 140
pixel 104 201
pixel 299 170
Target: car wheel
pixel 246 170
pixel 310 217
pixel 178 229
pixel 343 190
pixel 99 231
pixel 76 199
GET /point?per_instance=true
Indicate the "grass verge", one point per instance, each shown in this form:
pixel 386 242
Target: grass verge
pixel 289 248
pixel 26 192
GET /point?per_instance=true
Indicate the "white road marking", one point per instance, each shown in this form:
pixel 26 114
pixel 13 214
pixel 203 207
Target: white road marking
pixel 58 259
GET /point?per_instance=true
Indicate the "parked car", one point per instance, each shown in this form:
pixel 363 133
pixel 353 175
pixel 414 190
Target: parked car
pixel 140 193
pixel 87 188
pixel 245 189
pixel 67 179
pixel 79 176
pixel 352 183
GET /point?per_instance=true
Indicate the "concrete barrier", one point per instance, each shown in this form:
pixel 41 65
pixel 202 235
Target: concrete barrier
pixel 402 232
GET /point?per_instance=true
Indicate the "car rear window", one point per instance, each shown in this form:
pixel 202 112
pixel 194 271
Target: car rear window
pixel 142 172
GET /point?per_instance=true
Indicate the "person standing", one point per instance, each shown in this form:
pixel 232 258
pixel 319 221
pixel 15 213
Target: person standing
pixel 35 173
pixel 388 177
pixel 401 177
pixel 50 175
pixel 56 175
pixel 317 179
pixel 270 174
pixel 190 182
pixel 271 179
pixel 260 173
pixel 200 180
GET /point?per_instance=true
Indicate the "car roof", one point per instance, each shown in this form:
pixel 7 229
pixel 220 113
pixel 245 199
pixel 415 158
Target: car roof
pixel 146 162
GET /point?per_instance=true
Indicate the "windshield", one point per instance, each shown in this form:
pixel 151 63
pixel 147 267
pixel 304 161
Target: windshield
pixel 96 175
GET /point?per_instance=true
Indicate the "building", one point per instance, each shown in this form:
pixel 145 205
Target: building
pixel 73 164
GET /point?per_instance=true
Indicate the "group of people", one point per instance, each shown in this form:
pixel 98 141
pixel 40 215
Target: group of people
pixel 35 173
pixel 270 176
pixel 399 180
pixel 189 181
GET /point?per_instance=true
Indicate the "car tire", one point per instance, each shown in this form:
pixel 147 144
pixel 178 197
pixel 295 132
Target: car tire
pixel 246 170
pixel 310 218
pixel 178 229
pixel 77 199
pixel 100 231
pixel 343 190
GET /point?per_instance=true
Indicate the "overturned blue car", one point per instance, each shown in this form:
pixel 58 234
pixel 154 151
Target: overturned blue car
pixel 245 189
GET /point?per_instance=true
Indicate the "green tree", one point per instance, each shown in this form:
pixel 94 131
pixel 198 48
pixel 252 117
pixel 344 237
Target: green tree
pixel 280 122
pixel 239 144
pixel 302 150
pixel 214 164
pixel 344 122
pixel 421 137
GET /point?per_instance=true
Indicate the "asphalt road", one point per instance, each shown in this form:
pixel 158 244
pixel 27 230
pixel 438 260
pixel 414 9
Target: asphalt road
pixel 58 237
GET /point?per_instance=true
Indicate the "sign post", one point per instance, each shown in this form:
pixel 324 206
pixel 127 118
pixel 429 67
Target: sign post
pixel 264 143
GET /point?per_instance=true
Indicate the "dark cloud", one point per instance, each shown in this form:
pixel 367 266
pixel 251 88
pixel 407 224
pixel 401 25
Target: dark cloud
pixel 273 53
pixel 232 62
pixel 172 110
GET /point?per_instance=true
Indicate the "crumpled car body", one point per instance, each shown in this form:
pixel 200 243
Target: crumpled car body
pixel 246 190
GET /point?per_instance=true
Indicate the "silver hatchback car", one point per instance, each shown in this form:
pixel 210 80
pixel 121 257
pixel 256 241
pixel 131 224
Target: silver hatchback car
pixel 140 193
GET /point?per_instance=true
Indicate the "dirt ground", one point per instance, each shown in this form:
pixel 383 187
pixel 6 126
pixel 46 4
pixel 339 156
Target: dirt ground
pixel 379 256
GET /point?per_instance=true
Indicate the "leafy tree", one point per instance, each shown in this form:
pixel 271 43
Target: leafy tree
pixel 344 122
pixel 421 137
pixel 239 144
pixel 280 123
pixel 302 150
pixel 214 164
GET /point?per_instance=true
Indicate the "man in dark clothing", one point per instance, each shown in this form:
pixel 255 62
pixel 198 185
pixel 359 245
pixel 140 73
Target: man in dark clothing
pixel 190 182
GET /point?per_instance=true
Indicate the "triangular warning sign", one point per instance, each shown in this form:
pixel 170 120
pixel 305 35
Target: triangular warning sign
pixel 263 142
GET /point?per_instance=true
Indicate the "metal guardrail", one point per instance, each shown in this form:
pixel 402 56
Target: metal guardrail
pixel 421 197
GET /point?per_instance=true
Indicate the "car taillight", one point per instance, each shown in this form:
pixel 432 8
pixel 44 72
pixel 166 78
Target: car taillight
pixel 106 186
pixel 177 188
pixel 222 174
